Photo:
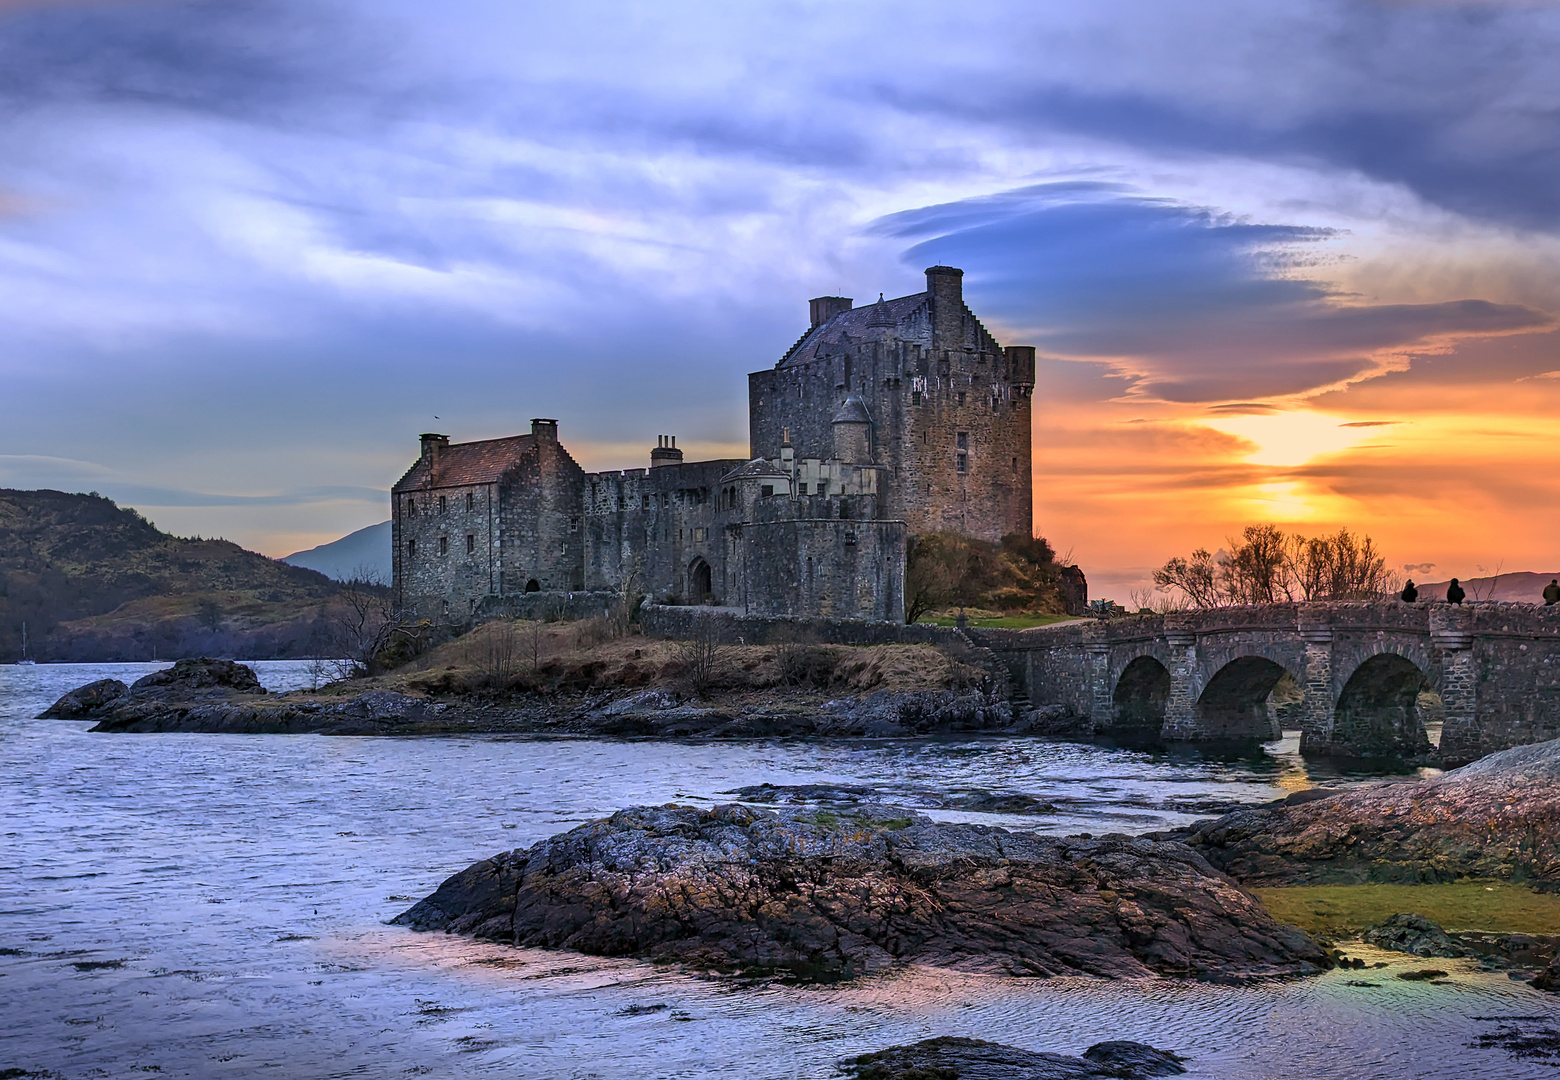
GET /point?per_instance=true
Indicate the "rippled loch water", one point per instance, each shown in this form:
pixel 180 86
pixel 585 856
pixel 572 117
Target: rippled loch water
pixel 213 906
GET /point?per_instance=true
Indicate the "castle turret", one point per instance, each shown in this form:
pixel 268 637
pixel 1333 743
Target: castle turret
pixel 665 452
pixel 853 432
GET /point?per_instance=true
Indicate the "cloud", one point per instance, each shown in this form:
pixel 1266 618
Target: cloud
pixel 1418 567
pixel 1193 304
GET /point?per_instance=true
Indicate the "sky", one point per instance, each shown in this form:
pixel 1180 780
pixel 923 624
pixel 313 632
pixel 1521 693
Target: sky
pixel 1296 261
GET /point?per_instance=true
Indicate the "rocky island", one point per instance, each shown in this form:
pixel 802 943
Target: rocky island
pixel 629 686
pixel 1497 818
pixel 826 896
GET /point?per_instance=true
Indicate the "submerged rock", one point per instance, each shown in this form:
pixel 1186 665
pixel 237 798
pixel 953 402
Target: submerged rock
pixel 827 895
pixel 1496 818
pixel 1415 935
pixel 1549 978
pixel 975 1059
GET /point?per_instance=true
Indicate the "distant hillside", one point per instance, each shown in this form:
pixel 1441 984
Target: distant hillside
pixel 94 581
pixel 1520 587
pixel 364 555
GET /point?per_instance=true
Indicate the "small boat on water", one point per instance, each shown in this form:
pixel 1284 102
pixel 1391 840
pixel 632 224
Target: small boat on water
pixel 25 660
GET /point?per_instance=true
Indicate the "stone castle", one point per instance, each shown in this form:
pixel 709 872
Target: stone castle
pixel 882 422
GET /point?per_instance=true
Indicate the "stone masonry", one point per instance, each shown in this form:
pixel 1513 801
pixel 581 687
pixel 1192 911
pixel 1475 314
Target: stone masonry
pixel 902 417
pixel 1368 675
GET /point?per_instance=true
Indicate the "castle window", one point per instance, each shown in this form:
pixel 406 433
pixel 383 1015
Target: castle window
pixel 471 544
pixel 823 487
pixel 995 402
pixel 961 397
pixel 471 501
pixel 915 397
pixel 767 491
pixel 644 502
pixel 574 524
pixel 801 489
pixel 962 440
pixel 679 536
pixel 411 549
pixel 444 545
pixel 1015 464
pixel 964 463
pixel 411 506
pixel 443 504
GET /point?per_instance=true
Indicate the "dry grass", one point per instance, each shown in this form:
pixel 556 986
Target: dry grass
pixel 517 656
pixel 1341 910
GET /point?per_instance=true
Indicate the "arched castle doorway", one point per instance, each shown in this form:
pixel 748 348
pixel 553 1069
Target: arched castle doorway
pixel 699 587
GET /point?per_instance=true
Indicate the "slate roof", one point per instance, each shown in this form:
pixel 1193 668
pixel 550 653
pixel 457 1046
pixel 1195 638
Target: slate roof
pixel 882 315
pixel 758 467
pixel 459 464
pixel 854 411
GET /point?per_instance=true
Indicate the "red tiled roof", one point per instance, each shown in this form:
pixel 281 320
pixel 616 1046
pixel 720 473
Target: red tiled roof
pixel 459 464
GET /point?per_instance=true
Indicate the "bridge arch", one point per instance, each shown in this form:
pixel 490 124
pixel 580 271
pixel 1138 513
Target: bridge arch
pixel 1378 712
pixel 1234 702
pixel 1141 695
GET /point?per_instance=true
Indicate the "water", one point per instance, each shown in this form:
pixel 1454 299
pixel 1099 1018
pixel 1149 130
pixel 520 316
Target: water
pixel 213 906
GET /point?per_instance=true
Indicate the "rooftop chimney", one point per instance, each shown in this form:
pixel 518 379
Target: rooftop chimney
pixel 544 429
pixel 665 452
pixel 945 286
pixel 431 445
pixel 824 308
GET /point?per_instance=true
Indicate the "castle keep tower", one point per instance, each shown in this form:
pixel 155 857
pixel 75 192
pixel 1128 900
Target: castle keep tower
pixel 918 386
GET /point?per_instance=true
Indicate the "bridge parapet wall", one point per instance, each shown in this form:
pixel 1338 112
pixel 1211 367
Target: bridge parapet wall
pixel 1495 665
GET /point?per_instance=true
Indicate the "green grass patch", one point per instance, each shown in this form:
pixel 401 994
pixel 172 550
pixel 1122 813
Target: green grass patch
pixel 1004 622
pixel 1338 910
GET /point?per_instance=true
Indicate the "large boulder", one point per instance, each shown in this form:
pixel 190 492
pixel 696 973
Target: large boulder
pixel 828 895
pixel 948 1058
pixel 198 678
pixel 1496 818
pixel 1549 978
pixel 84 701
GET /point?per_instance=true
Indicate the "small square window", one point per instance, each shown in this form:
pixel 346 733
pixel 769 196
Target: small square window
pixel 801 489
pixel 471 544
pixel 767 491
pixel 964 463
pixel 823 489
pixel 444 545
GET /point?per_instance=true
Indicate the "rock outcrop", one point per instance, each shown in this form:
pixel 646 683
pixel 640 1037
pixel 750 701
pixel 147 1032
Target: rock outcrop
pixel 85 701
pixel 975 1059
pixel 829 896
pixel 1496 818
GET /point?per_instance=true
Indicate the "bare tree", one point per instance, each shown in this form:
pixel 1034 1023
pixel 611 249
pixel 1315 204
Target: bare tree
pixel 1196 579
pixel 499 657
pixel 1256 571
pixel 703 656
pixel 1486 590
pixel 368 631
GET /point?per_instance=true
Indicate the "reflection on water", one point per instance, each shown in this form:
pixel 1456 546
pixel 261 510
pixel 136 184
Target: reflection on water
pixel 214 905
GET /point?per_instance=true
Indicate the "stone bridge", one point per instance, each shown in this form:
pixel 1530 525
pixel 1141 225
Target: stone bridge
pixel 1357 679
